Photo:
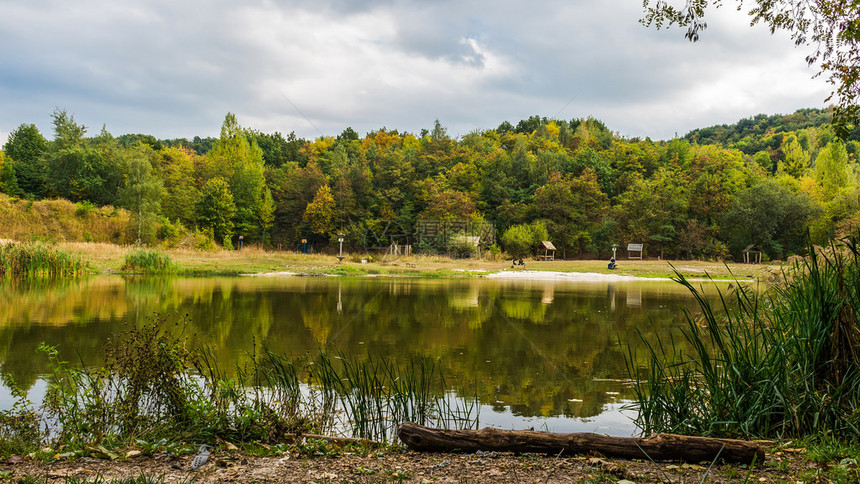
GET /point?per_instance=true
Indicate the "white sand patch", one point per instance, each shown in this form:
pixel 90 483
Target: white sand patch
pixel 569 276
pixel 271 274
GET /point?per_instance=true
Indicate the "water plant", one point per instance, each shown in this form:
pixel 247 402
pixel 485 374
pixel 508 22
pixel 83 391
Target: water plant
pixel 153 392
pixel 146 261
pixel 377 394
pixel 37 260
pixel 784 362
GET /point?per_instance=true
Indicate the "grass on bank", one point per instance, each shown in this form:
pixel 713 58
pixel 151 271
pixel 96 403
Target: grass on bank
pixel 783 363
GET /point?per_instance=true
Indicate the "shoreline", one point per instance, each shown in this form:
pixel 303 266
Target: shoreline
pixel 591 277
pixel 568 276
pixel 525 275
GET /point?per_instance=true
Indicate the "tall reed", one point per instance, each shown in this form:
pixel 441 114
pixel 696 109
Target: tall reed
pixel 37 260
pixel 377 395
pixel 143 261
pixel 780 363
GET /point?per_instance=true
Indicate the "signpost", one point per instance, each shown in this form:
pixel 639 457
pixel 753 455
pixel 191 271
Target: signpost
pixel 340 251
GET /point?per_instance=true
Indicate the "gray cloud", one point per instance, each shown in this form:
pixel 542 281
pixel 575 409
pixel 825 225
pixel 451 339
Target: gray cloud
pixel 173 69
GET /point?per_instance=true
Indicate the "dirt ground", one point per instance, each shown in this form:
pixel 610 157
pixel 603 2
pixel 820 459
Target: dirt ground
pixel 482 467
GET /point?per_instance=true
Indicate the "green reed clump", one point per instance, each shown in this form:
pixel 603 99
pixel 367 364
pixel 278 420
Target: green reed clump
pixel 377 395
pixel 37 260
pixel 263 402
pixel 782 363
pixel 146 261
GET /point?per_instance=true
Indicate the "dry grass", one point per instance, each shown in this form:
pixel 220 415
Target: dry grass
pixel 60 220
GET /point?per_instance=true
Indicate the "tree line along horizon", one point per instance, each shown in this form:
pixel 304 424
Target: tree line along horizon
pixel 766 180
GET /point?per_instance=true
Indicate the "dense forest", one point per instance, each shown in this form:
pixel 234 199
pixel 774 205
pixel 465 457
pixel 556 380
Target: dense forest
pixel 767 180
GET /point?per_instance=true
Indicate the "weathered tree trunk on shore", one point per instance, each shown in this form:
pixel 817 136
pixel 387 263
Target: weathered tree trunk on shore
pixel 657 447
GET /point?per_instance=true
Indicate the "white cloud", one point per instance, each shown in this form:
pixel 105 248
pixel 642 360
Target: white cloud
pixel 173 69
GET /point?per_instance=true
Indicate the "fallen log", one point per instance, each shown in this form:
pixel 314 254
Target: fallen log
pixel 656 447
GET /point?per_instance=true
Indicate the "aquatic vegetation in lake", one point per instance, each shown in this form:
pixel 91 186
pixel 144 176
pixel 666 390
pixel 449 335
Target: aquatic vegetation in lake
pixel 153 388
pixel 143 261
pixel 37 260
pixel 782 363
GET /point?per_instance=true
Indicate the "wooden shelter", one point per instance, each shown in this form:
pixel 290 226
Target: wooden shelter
pixel 753 250
pixel 631 248
pixel 548 251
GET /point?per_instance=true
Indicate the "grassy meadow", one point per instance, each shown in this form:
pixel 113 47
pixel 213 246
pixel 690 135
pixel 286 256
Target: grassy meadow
pixel 104 257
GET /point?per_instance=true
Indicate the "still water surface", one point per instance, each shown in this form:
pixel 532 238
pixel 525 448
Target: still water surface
pixel 542 354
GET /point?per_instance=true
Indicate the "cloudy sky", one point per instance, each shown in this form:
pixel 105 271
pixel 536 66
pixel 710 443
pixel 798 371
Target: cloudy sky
pixel 174 68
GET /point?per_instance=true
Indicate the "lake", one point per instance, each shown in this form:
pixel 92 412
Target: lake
pixel 547 355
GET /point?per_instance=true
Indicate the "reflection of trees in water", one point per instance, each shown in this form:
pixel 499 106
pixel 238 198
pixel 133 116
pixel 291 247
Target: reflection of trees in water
pixel 534 346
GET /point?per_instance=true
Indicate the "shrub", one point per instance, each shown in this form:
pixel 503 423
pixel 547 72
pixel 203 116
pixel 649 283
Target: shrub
pixel 84 208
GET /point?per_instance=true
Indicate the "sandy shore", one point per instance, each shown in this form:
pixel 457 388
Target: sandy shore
pixel 526 276
pixel 568 276
pixel 271 274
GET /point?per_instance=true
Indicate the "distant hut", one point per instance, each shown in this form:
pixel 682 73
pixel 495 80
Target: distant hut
pixel 464 246
pixel 548 251
pixel 752 252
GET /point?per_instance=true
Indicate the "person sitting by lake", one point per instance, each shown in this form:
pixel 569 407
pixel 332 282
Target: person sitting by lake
pixel 612 263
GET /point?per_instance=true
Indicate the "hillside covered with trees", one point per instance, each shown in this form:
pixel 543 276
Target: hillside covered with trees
pixel 767 180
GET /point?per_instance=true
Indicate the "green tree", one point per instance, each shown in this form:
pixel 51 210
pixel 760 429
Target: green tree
pixel 441 203
pixel 76 171
pixel 141 191
pixel 654 210
pixel 240 162
pixel 796 159
pixel 521 240
pixel 715 174
pixel 267 216
pixel 572 209
pixel 175 167
pixel 770 215
pixel 83 173
pixel 26 148
pixel 293 188
pixel 319 214
pixel 67 133
pixel 215 210
pixel 8 181
pixel 831 169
